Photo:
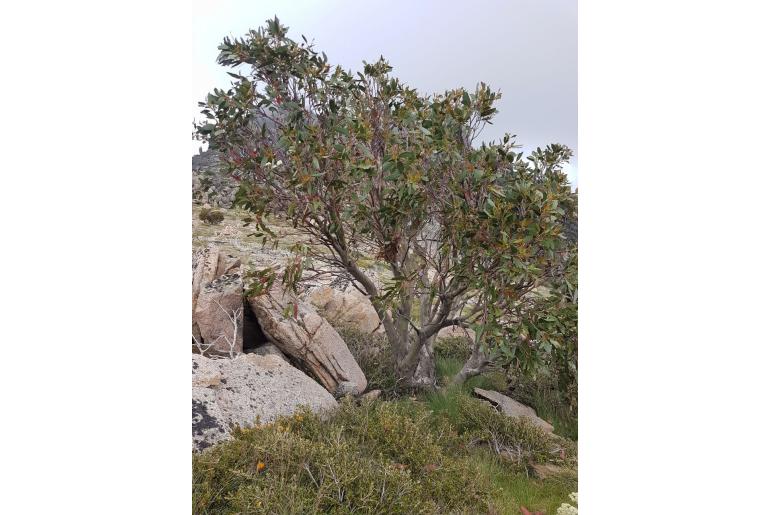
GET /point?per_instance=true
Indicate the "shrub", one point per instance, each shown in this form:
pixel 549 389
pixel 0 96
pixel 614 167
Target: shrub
pixel 374 356
pixel 380 457
pixel 454 347
pixel 211 216
pixel 376 458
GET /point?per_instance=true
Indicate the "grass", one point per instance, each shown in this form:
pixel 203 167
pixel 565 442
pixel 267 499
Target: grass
pixel 515 490
pixel 544 397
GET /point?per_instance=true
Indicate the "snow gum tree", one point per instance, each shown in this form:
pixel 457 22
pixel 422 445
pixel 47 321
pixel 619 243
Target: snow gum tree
pixel 366 167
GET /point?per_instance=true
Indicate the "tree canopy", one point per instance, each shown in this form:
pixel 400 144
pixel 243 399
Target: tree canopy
pixel 363 165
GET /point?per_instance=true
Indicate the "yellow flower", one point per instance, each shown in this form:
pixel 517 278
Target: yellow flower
pixel 260 466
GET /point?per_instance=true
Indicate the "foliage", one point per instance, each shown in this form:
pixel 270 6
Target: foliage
pixel 456 348
pixel 364 165
pixel 541 393
pixel 551 355
pixel 373 459
pixel 379 457
pixel 553 400
pixel 374 356
pixel 211 216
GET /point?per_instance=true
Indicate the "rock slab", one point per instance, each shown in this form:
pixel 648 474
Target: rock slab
pixel 241 390
pixel 217 302
pixel 512 408
pixel 346 308
pixel 308 339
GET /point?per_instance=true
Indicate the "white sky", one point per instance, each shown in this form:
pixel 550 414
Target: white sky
pixel 527 49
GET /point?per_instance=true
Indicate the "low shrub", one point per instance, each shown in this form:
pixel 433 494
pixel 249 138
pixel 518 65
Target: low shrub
pixel 374 356
pixel 457 348
pixel 380 457
pixel 211 216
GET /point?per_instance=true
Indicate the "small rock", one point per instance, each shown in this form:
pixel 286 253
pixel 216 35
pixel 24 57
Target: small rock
pixel 371 395
pixel 346 308
pixel 346 388
pixel 268 349
pixel 546 470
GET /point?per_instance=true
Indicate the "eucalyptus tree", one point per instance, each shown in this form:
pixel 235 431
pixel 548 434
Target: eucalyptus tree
pixel 366 167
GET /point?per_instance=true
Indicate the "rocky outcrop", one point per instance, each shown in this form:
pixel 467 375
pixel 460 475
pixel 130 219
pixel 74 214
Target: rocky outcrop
pixel 239 391
pixel 217 302
pixel 219 316
pixel 268 349
pixel 308 340
pixel 346 308
pixel 210 184
pixel 513 408
pixel 454 331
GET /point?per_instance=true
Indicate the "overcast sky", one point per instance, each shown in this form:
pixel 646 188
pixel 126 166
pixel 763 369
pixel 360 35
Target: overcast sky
pixel 527 49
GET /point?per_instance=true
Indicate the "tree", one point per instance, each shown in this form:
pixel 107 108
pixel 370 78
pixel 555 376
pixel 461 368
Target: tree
pixel 363 165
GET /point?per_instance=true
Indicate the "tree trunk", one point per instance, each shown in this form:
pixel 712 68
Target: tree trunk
pixel 425 373
pixel 415 368
pixel 475 365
